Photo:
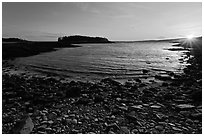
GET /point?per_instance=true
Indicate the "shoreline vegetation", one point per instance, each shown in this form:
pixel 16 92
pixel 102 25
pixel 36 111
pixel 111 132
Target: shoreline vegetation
pixel 43 105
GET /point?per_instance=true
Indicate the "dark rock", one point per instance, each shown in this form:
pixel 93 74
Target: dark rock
pixel 73 92
pixel 110 81
pixel 138 80
pixel 24 126
pixel 98 98
pixel 197 116
pixel 165 84
pixel 145 71
pixel 163 77
pixel 83 101
pixel 196 96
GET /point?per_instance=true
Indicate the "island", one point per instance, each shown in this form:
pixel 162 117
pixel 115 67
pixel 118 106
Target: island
pixel 77 39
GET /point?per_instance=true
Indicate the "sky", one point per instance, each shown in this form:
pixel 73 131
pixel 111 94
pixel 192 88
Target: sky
pixel 117 21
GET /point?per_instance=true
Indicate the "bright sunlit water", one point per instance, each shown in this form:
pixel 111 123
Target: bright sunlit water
pixel 97 61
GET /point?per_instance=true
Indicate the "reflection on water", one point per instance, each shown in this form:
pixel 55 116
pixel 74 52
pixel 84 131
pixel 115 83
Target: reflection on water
pixel 96 61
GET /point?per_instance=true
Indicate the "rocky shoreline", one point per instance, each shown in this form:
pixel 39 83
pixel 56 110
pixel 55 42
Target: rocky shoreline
pixel 50 105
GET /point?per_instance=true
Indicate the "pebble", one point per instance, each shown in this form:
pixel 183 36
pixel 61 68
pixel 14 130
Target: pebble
pixel 160 128
pixel 45 118
pixel 134 131
pixel 176 129
pixel 50 122
pixel 123 108
pixel 96 120
pixel 189 121
pixel 155 106
pixel 185 106
pixel 137 107
pixel 111 132
pixel 74 121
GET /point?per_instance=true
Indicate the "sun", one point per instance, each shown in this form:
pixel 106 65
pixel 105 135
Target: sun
pixel 190 37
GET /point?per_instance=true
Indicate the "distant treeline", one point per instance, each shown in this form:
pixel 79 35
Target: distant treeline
pixel 82 39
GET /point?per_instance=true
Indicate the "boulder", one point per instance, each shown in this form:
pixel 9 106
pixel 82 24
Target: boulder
pixel 24 126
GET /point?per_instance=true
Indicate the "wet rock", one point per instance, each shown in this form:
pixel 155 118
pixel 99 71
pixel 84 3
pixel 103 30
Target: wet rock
pixel 24 126
pixel 73 92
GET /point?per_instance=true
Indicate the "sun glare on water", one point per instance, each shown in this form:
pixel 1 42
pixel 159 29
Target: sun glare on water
pixel 190 37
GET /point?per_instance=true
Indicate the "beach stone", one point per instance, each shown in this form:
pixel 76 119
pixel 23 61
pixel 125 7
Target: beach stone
pixel 113 126
pixel 52 115
pixel 45 118
pixel 124 130
pixel 111 132
pixel 134 131
pixel 176 129
pixel 50 122
pixel 185 113
pixel 74 121
pixel 123 108
pixel 160 116
pixel 155 106
pixel 136 107
pixel 24 126
pixel 160 128
pixel 185 106
pixel 189 121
